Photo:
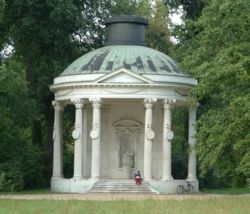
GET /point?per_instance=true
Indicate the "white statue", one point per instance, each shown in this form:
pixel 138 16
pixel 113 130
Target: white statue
pixel 127 159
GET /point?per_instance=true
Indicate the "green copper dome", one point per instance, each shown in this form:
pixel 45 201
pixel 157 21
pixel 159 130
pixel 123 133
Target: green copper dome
pixel 139 59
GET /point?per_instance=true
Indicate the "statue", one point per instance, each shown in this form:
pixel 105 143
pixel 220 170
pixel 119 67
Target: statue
pixel 127 159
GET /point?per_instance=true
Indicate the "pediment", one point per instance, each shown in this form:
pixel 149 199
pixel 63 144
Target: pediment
pixel 123 76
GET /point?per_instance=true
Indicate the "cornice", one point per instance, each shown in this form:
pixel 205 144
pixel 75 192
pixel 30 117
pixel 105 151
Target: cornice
pixel 63 86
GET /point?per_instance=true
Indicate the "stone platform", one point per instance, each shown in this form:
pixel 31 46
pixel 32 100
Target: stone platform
pixel 118 186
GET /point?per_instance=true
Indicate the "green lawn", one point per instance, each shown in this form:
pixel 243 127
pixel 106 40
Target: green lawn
pixel 213 191
pixel 226 191
pixel 233 204
pixel 28 191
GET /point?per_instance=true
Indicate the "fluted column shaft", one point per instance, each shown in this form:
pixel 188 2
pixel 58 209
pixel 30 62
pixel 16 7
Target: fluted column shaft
pixel 85 138
pixel 166 148
pixel 192 141
pixel 95 136
pixel 78 137
pixel 148 138
pixel 58 140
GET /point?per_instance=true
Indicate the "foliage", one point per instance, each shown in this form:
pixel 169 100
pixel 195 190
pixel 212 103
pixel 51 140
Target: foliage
pixel 218 56
pixel 20 161
pixel 192 8
pixel 11 177
pixel 157 32
pixel 46 37
pixel 68 146
pixel 179 143
pixel 124 7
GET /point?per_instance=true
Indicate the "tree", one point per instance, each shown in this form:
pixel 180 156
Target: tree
pixel 192 8
pixel 157 33
pixel 124 7
pixel 20 160
pixel 218 56
pixel 47 36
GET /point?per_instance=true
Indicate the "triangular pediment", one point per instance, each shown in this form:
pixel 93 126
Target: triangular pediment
pixel 123 76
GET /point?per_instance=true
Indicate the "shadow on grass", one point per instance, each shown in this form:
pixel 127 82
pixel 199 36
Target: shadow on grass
pixel 230 191
pixel 28 192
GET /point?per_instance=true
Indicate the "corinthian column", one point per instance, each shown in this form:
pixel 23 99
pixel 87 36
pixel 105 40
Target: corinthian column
pixel 167 137
pixel 95 136
pixel 85 138
pixel 191 142
pixel 148 138
pixel 78 137
pixel 58 140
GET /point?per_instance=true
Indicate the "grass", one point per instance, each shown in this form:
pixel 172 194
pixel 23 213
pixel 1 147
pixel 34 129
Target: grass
pixel 232 204
pixel 28 191
pixel 230 191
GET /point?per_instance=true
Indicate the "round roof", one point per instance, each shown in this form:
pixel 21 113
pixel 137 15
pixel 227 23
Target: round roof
pixel 138 59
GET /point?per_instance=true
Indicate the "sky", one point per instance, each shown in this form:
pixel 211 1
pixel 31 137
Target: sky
pixel 176 17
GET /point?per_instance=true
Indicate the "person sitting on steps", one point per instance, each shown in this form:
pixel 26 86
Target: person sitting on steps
pixel 138 178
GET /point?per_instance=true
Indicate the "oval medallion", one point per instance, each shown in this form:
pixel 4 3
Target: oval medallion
pixel 150 135
pixel 75 134
pixel 170 135
pixel 94 134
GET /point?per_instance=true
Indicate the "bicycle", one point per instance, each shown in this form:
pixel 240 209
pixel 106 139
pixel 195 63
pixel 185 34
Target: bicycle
pixel 180 189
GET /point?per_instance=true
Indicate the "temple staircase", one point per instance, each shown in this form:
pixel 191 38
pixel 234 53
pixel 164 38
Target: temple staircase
pixel 120 186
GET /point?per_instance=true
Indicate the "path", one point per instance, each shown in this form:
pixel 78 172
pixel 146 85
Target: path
pixel 111 197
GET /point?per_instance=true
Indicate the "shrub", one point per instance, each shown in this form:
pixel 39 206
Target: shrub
pixel 11 177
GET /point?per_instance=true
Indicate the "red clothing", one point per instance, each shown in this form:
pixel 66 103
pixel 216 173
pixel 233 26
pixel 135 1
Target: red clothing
pixel 138 180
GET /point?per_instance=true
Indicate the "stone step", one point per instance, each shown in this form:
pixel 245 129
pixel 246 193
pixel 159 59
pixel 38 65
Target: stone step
pixel 120 186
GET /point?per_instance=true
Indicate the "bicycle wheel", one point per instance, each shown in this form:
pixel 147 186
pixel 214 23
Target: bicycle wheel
pixel 180 189
pixel 190 188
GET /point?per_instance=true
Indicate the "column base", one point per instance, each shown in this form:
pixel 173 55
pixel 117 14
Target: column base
pixel 147 178
pixel 167 178
pixel 77 177
pixel 191 178
pixel 95 177
pixel 57 177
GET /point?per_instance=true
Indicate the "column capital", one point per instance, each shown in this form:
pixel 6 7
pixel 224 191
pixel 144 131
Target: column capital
pixel 148 102
pixel 79 103
pixel 58 106
pixel 96 102
pixel 168 102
